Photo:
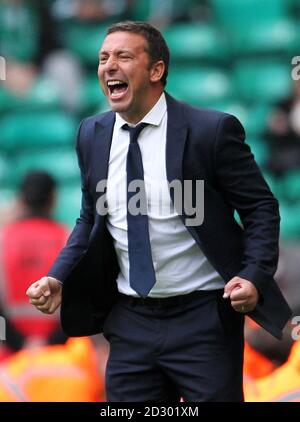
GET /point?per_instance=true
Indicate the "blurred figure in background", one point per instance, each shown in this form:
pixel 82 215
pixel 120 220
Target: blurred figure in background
pixel 283 133
pixel 90 10
pixel 28 247
pixel 56 83
pixel 20 78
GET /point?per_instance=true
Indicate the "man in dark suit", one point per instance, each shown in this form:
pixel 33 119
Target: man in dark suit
pixel 168 290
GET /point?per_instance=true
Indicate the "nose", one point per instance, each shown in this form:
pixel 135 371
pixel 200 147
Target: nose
pixel 111 64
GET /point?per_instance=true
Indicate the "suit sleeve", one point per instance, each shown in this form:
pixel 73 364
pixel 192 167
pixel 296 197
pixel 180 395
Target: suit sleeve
pixel 78 240
pixel 246 191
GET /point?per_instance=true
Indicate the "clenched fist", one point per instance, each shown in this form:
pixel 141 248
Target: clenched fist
pixel 45 294
pixel 242 294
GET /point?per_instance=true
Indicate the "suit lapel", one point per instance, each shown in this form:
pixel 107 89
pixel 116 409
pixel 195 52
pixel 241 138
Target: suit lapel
pixel 176 138
pixel 101 147
pixel 100 155
pixel 177 132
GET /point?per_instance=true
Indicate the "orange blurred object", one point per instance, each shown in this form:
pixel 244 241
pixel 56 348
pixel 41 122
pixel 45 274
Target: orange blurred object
pixel 53 374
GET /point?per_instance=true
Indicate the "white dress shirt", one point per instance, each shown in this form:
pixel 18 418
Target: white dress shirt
pixel 180 266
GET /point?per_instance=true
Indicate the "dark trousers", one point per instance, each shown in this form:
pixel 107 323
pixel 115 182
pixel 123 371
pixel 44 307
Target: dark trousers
pixel 192 350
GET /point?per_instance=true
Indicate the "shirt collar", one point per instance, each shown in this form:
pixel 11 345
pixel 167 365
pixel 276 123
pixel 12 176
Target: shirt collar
pixel 153 117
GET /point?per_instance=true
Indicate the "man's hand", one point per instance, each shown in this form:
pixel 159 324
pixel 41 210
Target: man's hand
pixel 242 293
pixel 45 294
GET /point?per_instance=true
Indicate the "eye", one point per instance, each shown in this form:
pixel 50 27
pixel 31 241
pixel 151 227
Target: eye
pixel 102 60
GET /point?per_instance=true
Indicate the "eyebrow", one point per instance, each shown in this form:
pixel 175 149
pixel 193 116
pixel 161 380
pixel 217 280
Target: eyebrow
pixel 118 52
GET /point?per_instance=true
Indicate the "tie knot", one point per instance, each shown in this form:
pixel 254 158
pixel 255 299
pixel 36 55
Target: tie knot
pixel 135 131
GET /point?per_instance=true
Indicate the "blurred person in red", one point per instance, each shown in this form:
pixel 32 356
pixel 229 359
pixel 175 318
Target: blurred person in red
pixel 28 247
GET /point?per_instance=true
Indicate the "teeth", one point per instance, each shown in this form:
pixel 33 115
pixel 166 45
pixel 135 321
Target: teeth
pixel 112 83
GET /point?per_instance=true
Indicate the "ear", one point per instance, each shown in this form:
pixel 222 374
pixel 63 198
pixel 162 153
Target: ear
pixel 157 71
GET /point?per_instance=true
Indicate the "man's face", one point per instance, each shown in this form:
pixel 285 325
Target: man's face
pixel 124 73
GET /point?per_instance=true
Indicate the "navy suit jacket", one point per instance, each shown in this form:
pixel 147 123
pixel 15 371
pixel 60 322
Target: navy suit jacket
pixel 201 145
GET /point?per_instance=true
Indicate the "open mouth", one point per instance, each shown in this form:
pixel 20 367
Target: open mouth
pixel 117 89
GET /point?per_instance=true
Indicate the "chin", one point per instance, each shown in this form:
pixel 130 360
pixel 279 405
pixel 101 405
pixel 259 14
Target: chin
pixel 119 107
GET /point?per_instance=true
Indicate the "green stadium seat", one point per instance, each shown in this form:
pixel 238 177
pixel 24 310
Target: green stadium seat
pixel 257 27
pixel 199 86
pixel 68 204
pixel 236 14
pixel 260 150
pixel 277 37
pixel 262 81
pixel 196 42
pixel 291 186
pixel 37 129
pixel 296 49
pixel 4 171
pixel 160 11
pixel 92 99
pixel 84 40
pixel 18 31
pixel 44 94
pixel 290 220
pixel 274 183
pixel 294 7
pixel 254 118
pixel 141 10
pixel 60 162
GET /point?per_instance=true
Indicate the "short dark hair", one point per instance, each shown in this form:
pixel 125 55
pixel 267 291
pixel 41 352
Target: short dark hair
pixel 36 189
pixel 157 46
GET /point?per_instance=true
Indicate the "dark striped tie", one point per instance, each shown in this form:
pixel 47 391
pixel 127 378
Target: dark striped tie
pixel 141 270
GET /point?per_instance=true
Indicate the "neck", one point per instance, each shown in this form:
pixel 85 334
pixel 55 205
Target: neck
pixel 136 116
pixel 28 212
